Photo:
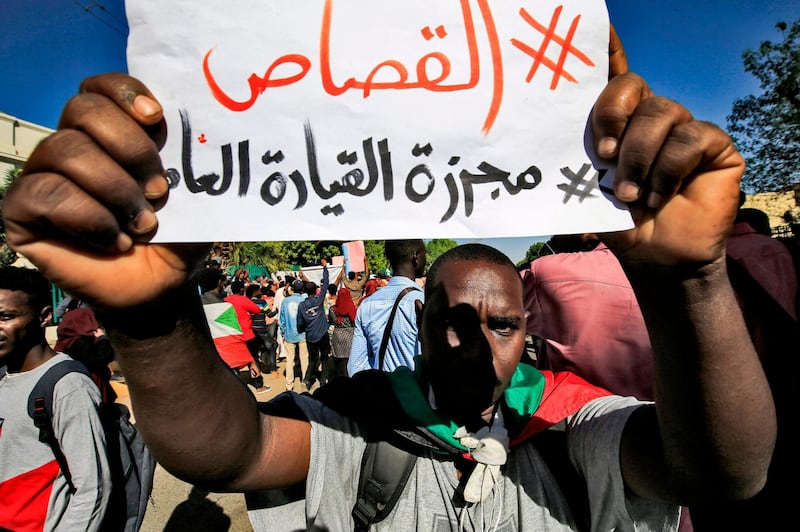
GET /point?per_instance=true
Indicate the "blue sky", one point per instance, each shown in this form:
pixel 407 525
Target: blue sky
pixel 687 50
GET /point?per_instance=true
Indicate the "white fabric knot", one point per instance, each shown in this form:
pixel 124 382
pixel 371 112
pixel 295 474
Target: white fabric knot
pixel 488 447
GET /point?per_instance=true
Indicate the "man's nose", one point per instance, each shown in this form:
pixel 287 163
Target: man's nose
pixel 452 337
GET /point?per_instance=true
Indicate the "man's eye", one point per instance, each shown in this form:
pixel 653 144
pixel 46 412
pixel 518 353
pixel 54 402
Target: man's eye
pixel 503 326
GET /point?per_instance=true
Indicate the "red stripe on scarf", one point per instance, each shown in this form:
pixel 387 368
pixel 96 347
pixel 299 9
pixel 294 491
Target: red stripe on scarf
pixel 564 394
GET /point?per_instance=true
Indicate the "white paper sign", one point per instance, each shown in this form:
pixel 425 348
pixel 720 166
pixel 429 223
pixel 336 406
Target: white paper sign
pixel 375 119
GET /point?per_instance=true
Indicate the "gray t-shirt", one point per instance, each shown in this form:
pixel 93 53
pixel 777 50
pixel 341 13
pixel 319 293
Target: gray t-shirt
pixel 29 472
pixel 526 497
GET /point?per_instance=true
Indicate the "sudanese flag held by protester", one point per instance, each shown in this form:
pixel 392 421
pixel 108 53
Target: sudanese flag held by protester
pixel 227 334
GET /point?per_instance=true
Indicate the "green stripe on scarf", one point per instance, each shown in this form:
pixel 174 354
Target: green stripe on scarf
pixel 522 397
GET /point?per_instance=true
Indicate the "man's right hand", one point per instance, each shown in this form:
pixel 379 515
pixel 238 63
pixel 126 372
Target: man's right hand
pixel 84 208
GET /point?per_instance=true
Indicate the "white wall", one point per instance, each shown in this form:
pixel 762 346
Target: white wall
pixel 18 138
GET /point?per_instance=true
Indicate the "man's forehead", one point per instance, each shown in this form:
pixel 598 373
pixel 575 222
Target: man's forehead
pixel 481 277
pixel 13 298
pixel 476 268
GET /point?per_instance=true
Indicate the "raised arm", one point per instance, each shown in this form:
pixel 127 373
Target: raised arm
pixel 339 277
pixel 83 212
pixel 323 285
pixel 302 275
pixel 711 433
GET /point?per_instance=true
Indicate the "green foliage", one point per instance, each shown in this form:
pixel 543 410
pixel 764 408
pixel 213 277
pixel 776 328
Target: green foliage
pixel 7 255
pixel 766 127
pixel 436 247
pixel 375 256
pixel 330 250
pixel 301 252
pixel 11 175
pixel 270 255
pixel 532 253
pixel 277 256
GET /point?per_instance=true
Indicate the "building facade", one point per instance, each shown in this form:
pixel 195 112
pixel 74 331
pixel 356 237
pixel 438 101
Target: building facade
pixel 18 138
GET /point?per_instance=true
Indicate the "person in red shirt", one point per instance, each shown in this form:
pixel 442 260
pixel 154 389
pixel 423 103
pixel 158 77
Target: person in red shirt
pixel 370 287
pixel 245 308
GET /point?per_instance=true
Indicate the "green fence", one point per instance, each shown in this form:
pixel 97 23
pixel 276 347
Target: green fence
pixel 253 270
pixel 57 295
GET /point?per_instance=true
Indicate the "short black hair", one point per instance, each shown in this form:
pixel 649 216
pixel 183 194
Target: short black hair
pixel 251 290
pixel 310 288
pixel 208 279
pixel 465 252
pixel 399 251
pixel 756 218
pixel 29 281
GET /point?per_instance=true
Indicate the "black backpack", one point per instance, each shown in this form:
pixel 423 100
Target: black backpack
pixel 392 448
pixel 132 465
pixel 385 469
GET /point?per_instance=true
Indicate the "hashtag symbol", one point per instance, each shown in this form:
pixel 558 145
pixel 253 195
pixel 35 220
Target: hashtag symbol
pixel 578 186
pixel 539 56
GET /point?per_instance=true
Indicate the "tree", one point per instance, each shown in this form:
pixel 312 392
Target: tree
pixel 533 253
pixel 436 247
pixel 766 127
pixel 376 258
pixel 308 253
pixel 327 250
pixel 278 256
pixel 301 252
pixel 271 255
pixel 12 174
pixel 7 255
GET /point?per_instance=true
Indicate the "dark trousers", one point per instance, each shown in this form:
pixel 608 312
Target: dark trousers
pixel 320 362
pixel 272 330
pixel 253 345
pixel 247 377
pixel 268 348
pixel 339 366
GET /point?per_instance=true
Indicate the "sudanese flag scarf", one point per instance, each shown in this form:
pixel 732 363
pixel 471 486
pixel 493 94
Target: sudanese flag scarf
pixel 396 405
pixel 534 401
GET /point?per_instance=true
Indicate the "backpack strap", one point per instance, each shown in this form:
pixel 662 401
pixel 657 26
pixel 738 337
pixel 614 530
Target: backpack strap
pixel 40 408
pixel 388 330
pixel 384 472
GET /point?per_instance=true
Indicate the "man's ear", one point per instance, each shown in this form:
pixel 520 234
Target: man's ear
pixel 45 316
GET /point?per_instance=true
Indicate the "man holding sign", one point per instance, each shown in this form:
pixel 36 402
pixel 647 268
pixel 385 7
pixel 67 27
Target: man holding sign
pixel 84 212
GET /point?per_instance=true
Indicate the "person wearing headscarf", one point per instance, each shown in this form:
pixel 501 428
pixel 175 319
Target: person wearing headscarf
pixel 342 315
pixel 80 336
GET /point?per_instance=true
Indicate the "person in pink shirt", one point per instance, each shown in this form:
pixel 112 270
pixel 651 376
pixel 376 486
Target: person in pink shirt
pixel 584 310
pixel 767 260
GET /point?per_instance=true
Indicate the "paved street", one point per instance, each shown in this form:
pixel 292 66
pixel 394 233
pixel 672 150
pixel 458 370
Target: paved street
pixel 177 506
